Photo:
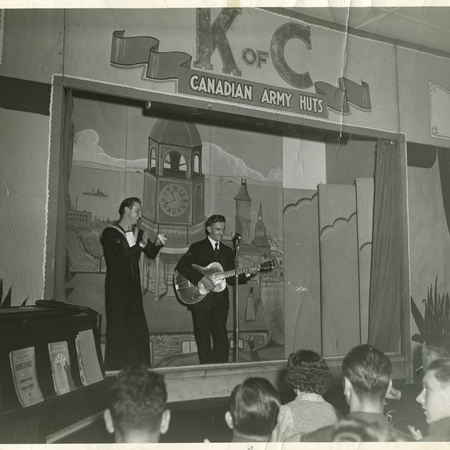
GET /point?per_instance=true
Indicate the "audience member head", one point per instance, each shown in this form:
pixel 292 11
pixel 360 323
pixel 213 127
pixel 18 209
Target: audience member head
pixel 308 372
pixel 137 406
pixel 254 406
pixel 436 346
pixel 367 378
pixel 355 430
pixel 435 395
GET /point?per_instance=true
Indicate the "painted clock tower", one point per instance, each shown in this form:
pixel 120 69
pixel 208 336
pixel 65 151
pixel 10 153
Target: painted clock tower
pixel 173 197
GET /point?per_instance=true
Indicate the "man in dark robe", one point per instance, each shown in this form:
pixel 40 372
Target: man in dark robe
pixel 127 339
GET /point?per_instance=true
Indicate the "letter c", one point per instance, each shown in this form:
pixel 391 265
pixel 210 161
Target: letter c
pixel 280 38
pixel 192 81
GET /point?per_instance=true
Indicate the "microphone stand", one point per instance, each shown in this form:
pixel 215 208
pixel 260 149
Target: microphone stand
pixel 236 296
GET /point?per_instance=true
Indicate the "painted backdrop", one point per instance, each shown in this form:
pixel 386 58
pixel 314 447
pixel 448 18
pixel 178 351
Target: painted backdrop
pixel 241 176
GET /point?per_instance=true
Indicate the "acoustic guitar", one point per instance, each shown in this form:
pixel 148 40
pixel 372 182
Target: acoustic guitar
pixel 189 294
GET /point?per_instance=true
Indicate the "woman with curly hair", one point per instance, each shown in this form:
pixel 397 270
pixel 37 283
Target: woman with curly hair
pixel 308 374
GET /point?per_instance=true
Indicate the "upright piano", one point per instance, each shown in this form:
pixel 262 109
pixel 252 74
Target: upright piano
pixel 53 418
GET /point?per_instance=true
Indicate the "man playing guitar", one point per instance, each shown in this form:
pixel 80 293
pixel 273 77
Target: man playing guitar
pixel 209 315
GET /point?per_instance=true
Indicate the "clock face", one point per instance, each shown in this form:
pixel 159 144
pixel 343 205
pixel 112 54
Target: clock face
pixel 173 199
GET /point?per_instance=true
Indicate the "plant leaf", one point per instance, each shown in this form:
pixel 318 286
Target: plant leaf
pixel 6 303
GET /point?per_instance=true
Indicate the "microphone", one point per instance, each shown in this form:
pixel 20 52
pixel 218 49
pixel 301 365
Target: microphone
pixel 236 238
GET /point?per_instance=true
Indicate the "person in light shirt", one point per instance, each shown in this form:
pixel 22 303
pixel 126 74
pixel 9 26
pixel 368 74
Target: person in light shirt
pixel 308 374
pixel 435 401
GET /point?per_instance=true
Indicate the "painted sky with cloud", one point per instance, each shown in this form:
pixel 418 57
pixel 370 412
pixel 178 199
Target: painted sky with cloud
pixel 216 161
pixel 87 151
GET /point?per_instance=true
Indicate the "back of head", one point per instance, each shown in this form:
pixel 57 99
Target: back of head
pixel 355 430
pixel 308 372
pixel 441 368
pixel 369 371
pixel 137 400
pixel 436 346
pixel 254 407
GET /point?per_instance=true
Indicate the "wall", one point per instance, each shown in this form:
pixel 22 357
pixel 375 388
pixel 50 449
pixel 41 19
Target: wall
pixel 33 44
pixel 31 50
pixel 415 71
pixel 23 171
pixel 428 228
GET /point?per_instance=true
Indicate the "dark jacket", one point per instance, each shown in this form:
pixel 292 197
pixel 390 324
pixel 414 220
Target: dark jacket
pixel 325 434
pixel 202 254
pixel 439 431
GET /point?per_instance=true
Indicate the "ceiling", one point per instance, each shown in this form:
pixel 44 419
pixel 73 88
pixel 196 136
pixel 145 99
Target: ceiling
pixel 427 27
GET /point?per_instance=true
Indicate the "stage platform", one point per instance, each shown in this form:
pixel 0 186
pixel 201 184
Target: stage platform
pixel 209 381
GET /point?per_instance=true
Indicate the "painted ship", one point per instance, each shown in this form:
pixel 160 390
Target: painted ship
pixel 97 193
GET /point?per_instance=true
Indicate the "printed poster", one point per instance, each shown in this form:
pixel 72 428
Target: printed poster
pixel 62 377
pixel 90 371
pixel 23 367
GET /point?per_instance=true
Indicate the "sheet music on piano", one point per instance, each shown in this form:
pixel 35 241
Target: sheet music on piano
pixel 61 367
pixel 23 367
pixel 56 416
pixel 90 371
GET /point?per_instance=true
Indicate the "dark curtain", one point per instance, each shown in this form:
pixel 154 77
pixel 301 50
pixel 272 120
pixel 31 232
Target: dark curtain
pixel 386 272
pixel 420 155
pixel 444 170
pixel 65 163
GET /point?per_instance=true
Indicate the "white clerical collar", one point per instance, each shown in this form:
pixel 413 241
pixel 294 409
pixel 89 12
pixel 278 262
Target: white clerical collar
pixel 131 238
pixel 213 243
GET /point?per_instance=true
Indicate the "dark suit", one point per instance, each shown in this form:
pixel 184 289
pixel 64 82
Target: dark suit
pixel 439 431
pixel 407 411
pixel 378 421
pixel 210 314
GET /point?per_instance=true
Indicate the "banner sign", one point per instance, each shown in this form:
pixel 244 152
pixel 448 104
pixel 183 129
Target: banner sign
pixel 208 85
pixel 211 38
pixel 131 51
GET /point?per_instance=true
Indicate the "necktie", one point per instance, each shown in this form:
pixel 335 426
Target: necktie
pixel 216 251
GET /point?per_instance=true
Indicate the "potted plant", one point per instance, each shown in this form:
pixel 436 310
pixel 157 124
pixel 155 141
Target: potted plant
pixel 6 302
pixel 436 317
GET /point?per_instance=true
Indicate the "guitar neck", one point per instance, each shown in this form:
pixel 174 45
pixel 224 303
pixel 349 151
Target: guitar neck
pixel 230 273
